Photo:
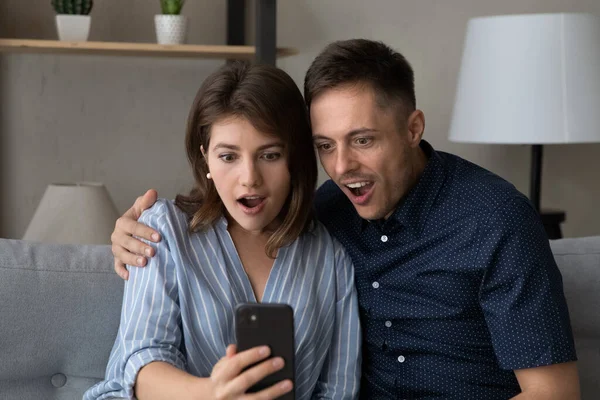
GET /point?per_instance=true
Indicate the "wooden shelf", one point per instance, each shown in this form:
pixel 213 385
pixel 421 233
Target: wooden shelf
pixel 134 49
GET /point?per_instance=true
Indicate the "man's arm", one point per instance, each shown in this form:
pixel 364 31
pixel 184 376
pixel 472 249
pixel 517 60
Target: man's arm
pixel 127 249
pixel 523 302
pixel 557 381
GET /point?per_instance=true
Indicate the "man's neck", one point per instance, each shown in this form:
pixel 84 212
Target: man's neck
pixel 418 165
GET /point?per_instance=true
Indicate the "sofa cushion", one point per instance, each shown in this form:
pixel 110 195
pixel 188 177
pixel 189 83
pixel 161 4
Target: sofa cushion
pixel 59 314
pixel 579 263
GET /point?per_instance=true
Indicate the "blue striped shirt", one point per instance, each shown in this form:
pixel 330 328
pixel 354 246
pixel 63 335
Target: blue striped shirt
pixel 180 308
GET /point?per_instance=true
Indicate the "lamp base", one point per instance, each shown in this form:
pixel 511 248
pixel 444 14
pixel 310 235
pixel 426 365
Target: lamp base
pixel 552 220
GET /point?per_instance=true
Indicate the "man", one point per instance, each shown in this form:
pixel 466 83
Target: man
pixel 459 293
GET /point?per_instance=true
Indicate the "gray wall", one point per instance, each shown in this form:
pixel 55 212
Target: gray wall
pixel 121 120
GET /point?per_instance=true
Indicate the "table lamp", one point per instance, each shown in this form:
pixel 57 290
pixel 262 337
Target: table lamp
pixel 77 213
pixel 530 79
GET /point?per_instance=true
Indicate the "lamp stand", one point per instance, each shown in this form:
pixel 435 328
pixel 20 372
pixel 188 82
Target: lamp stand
pixel 550 219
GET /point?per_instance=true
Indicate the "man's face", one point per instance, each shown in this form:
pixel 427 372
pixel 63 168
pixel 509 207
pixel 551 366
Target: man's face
pixel 368 152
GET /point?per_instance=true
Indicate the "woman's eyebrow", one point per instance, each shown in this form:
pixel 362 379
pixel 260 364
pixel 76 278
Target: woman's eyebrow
pixel 228 146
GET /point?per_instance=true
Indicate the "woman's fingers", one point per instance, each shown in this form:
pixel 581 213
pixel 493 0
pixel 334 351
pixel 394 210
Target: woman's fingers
pixel 230 382
pixel 251 376
pixel 273 392
pixel 231 350
pixel 233 366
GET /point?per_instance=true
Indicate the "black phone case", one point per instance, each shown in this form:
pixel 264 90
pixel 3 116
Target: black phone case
pixel 264 324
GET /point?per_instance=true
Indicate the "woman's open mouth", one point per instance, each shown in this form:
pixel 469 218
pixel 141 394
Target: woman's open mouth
pixel 251 205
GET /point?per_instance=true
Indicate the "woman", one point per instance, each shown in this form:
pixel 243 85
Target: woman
pixel 245 233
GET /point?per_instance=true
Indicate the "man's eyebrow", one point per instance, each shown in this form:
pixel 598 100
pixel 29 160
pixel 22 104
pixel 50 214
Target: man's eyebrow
pixel 352 133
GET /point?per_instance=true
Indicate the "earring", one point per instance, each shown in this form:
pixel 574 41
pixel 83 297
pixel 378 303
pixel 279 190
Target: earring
pixel 208 176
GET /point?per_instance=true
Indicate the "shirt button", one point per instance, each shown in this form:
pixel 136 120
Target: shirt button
pixel 388 323
pixel 384 238
pixel 401 359
pixel 376 285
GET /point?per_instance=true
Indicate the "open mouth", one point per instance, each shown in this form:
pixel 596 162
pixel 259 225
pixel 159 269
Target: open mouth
pixel 360 193
pixel 359 188
pixel 251 204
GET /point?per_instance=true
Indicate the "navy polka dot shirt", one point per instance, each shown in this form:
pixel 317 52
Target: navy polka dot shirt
pixel 456 289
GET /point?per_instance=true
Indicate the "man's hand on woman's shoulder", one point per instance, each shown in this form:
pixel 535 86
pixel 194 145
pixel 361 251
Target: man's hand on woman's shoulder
pixel 127 249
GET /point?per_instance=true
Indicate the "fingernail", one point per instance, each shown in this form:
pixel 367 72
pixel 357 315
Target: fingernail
pixel 278 363
pixel 285 385
pixel 155 236
pixel 140 261
pixel 263 351
pixel 148 251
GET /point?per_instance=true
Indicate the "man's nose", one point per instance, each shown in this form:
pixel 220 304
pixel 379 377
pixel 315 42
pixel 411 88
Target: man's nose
pixel 345 161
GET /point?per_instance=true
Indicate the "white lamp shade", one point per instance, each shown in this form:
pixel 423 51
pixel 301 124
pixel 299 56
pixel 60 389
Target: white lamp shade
pixel 79 213
pixel 529 79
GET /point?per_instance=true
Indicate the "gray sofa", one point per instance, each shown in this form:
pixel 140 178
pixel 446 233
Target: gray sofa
pixel 60 307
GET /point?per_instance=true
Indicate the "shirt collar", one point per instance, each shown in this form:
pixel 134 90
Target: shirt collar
pixel 414 208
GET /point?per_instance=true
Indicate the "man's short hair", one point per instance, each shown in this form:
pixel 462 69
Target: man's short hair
pixel 362 61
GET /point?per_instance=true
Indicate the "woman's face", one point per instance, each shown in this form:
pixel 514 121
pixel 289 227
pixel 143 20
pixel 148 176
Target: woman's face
pixel 250 172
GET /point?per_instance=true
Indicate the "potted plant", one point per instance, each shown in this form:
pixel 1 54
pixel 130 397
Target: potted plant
pixel 171 27
pixel 73 19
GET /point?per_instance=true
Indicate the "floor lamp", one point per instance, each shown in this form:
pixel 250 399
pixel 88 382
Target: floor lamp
pixel 530 79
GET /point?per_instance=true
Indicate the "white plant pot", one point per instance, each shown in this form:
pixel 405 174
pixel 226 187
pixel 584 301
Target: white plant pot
pixel 73 28
pixel 171 29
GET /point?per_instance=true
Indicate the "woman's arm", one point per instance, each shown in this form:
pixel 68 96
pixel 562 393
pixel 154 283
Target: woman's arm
pixel 160 380
pixel 150 334
pixel 340 377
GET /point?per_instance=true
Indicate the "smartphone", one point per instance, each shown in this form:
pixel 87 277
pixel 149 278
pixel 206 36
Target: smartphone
pixel 268 324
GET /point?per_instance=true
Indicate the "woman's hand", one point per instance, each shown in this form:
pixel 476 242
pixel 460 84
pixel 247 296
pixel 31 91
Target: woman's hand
pixel 227 380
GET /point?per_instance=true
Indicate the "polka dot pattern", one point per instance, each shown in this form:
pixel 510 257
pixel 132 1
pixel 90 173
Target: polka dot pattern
pixel 456 289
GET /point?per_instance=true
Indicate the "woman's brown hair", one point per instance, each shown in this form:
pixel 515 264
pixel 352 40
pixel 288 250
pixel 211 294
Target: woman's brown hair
pixel 268 98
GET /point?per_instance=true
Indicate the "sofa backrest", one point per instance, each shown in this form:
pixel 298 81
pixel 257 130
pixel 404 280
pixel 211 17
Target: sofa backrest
pixel 59 314
pixel 579 263
pixel 60 308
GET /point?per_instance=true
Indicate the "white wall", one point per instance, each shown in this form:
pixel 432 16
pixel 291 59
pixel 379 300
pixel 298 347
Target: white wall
pixel 121 120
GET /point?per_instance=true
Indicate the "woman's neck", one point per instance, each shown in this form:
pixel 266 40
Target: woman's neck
pixel 234 227
pixel 250 247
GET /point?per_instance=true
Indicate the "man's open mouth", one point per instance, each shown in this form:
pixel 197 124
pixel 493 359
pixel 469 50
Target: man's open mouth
pixel 359 188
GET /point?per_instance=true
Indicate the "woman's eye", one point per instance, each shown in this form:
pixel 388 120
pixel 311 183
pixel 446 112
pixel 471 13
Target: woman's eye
pixel 324 146
pixel 227 157
pixel 271 156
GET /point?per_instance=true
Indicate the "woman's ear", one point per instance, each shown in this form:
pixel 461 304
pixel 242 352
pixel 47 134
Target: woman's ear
pixel 202 151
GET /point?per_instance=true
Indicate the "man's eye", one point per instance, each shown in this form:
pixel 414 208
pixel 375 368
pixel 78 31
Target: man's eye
pixel 227 157
pixel 363 141
pixel 271 156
